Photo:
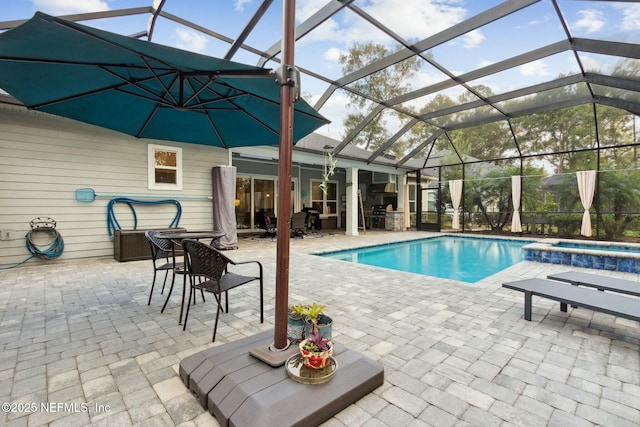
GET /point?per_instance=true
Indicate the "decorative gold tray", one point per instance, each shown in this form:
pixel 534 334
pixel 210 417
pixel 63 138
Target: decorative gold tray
pixel 302 374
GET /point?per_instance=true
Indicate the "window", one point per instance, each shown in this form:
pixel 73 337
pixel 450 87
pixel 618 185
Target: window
pixel 325 202
pixel 165 167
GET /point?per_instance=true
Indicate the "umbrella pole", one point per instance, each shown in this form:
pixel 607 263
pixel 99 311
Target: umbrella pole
pixel 284 179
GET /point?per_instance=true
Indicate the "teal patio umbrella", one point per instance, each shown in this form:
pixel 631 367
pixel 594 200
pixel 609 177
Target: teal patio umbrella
pixel 143 89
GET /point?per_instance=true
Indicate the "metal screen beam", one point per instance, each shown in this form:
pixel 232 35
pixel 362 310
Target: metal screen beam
pixel 627 50
pixel 632 107
pixel 530 90
pixel 613 81
pixel 237 43
pixel 419 148
pixel 515 61
pixel 450 33
pixel 392 140
pixel 524 112
pixel 359 128
pixel 326 12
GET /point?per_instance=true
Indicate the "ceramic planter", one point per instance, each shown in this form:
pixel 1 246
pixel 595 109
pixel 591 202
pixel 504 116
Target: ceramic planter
pixel 315 359
pixel 324 326
pixel 295 327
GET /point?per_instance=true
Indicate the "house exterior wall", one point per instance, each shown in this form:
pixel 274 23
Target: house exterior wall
pixel 44 159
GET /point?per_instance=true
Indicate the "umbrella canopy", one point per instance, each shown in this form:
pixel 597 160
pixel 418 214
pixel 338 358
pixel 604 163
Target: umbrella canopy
pixel 143 89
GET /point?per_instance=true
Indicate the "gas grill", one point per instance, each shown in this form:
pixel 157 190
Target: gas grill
pixel 379 210
pixel 378 216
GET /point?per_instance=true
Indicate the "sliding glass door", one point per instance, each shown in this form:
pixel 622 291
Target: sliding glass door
pixel 256 195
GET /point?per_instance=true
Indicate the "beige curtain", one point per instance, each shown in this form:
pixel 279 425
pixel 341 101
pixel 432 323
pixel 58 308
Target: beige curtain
pixel 455 188
pixel 516 189
pixel 586 188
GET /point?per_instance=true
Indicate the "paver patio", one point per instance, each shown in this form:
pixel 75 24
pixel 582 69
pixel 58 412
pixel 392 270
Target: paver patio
pixel 80 338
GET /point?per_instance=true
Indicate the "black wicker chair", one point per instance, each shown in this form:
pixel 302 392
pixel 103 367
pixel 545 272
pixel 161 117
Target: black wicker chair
pixel 163 256
pixel 208 271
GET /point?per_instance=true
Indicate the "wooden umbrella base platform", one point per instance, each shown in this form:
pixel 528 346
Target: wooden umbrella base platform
pixel 240 390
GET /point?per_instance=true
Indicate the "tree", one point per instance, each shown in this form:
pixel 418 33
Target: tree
pixel 484 142
pixel 380 86
pixel 421 131
pixel 489 194
pixel 560 131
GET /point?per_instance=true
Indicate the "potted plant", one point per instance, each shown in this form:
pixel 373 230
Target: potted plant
pixel 296 323
pixel 316 320
pixel 316 351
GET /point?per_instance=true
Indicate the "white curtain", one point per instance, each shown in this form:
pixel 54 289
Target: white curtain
pixel 586 188
pixel 455 188
pixel 516 189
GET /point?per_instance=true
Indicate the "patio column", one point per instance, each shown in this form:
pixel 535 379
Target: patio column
pixel 403 199
pixel 353 204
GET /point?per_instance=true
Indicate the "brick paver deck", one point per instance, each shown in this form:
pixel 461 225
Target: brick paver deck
pixel 79 345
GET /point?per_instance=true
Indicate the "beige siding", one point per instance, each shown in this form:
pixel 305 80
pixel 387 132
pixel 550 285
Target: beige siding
pixel 44 159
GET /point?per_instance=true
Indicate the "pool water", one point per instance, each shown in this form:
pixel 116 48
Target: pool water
pixel 594 247
pixel 466 259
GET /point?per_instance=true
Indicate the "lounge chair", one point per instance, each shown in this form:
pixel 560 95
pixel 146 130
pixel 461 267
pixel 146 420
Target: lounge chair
pixel 609 302
pixel 602 283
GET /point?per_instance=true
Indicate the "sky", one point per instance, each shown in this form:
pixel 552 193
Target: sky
pixel 414 20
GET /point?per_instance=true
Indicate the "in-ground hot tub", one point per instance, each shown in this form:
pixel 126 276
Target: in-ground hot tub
pixel 588 254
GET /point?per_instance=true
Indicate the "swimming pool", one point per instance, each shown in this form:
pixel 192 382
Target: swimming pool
pixel 467 259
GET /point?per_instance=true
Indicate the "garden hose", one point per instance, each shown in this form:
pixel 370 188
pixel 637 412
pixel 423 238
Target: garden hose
pixel 53 248
pixel 113 224
pixel 55 243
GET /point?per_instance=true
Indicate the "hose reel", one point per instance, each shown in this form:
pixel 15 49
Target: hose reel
pixel 52 246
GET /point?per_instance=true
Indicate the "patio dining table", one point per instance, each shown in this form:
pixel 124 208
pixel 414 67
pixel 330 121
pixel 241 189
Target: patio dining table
pixel 176 238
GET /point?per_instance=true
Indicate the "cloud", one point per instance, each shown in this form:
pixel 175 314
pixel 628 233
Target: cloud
pixel 334 110
pixel 239 7
pixel 631 16
pixel 592 64
pixel 411 19
pixel 333 54
pixel 415 19
pixel 191 40
pixel 67 7
pixel 425 78
pixel 534 22
pixel 329 30
pixel 535 68
pixel 591 20
pixel 472 39
pixel 304 9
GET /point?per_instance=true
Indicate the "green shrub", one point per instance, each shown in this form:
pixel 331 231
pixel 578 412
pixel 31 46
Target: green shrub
pixel 568 224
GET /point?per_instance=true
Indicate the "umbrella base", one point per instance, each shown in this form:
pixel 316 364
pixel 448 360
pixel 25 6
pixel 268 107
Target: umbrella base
pixel 239 389
pixel 274 358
